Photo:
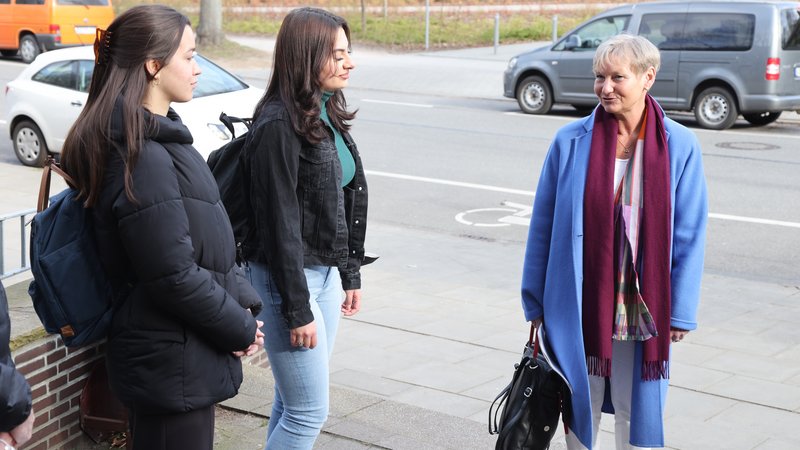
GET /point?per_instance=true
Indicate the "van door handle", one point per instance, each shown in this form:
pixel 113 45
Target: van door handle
pixel 76 103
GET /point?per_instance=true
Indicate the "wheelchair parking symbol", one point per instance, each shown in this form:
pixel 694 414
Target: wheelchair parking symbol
pixel 510 214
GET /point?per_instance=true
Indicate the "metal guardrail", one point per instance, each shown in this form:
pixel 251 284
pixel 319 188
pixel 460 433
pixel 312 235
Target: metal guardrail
pixel 24 219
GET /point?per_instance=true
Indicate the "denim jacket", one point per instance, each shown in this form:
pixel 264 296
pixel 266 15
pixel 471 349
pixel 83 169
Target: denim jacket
pixel 302 215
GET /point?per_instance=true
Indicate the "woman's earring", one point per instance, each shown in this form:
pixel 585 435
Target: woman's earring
pixel 156 81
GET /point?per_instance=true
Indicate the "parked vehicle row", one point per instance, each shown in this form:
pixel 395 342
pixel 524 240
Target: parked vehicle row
pixel 718 58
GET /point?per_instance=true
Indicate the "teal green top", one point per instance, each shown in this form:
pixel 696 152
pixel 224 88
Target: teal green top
pixel 345 157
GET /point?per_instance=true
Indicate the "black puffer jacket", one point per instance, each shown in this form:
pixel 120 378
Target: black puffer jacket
pixel 15 394
pixel 172 254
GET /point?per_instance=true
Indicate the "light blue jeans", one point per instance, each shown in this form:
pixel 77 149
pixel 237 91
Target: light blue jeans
pixel 301 374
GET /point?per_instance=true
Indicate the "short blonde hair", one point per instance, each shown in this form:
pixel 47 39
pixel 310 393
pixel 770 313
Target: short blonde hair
pixel 641 53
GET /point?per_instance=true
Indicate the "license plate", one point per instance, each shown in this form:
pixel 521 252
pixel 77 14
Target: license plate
pixel 85 30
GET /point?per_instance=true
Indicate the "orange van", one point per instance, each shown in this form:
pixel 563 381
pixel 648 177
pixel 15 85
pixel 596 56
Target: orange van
pixel 33 26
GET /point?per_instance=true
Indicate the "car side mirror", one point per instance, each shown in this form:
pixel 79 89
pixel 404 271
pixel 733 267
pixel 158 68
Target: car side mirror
pixel 573 42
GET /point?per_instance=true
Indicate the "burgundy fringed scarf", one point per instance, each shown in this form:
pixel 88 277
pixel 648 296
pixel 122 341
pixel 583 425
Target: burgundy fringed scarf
pixel 654 244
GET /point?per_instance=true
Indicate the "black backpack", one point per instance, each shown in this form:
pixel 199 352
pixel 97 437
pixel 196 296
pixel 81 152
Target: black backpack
pixel 226 164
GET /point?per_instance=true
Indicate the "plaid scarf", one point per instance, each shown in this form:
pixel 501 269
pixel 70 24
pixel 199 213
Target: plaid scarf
pixel 632 319
pixel 600 266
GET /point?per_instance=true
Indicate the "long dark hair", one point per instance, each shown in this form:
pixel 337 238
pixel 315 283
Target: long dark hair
pixel 303 49
pixel 139 34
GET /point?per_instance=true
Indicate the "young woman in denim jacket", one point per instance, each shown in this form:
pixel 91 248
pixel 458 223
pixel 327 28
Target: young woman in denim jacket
pixel 308 198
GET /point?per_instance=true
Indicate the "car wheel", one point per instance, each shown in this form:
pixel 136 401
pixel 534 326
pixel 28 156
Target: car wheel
pixel 763 118
pixel 29 145
pixel 715 109
pixel 29 48
pixel 8 53
pixel 534 95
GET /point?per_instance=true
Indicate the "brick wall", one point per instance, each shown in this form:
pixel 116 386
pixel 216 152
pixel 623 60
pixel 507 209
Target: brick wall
pixel 57 375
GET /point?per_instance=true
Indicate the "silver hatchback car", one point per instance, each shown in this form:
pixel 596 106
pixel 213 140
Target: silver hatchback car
pixel 718 58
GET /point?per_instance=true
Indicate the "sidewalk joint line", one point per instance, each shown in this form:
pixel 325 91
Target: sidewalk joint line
pixel 739 400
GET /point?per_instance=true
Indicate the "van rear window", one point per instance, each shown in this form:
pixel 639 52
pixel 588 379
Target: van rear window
pixel 790 19
pixel 83 2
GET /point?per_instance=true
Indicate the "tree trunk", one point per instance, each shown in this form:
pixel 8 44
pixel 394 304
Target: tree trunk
pixel 209 31
pixel 363 17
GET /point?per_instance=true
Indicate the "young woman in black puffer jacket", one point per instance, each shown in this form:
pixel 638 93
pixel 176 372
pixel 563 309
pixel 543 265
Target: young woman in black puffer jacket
pixel 185 314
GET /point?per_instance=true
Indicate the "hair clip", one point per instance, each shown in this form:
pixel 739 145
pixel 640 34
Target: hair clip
pixel 102 42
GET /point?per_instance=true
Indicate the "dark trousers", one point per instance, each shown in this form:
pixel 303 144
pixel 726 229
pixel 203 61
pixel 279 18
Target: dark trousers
pixel 180 431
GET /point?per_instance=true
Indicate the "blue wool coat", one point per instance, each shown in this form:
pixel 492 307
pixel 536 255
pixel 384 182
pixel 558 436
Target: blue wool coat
pixel 552 281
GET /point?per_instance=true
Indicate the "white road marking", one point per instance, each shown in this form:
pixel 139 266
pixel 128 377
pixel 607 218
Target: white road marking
pixel 461 217
pixel 386 102
pixel 540 116
pixel 486 187
pixel 778 223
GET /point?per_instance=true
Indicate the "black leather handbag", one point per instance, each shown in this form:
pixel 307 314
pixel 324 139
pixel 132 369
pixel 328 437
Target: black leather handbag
pixel 531 404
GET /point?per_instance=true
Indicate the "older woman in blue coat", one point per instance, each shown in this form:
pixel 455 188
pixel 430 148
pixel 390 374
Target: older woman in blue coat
pixel 615 251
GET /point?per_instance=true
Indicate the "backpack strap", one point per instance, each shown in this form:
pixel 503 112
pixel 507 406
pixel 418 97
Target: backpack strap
pixel 228 121
pixel 50 166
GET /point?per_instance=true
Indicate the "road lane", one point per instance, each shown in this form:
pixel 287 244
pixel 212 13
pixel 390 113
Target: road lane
pixel 445 160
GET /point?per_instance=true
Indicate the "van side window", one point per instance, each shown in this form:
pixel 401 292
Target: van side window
pixel 30 2
pixel 5 2
pixel 665 31
pixel 591 35
pixel 700 31
pixel 60 74
pixel 719 32
pixel 790 24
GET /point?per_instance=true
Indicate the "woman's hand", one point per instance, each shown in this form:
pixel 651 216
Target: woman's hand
pixel 22 433
pixel 305 336
pixel 352 302
pixel 536 322
pixel 258 342
pixel 6 439
pixel 677 334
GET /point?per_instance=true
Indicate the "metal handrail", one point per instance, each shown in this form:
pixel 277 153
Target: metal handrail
pixel 24 220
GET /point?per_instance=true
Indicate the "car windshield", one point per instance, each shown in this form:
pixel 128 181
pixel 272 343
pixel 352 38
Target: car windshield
pixel 791 29
pixel 215 80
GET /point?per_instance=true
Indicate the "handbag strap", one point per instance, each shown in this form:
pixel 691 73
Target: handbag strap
pixel 534 339
pixel 497 405
pixel 50 166
pixel 494 426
